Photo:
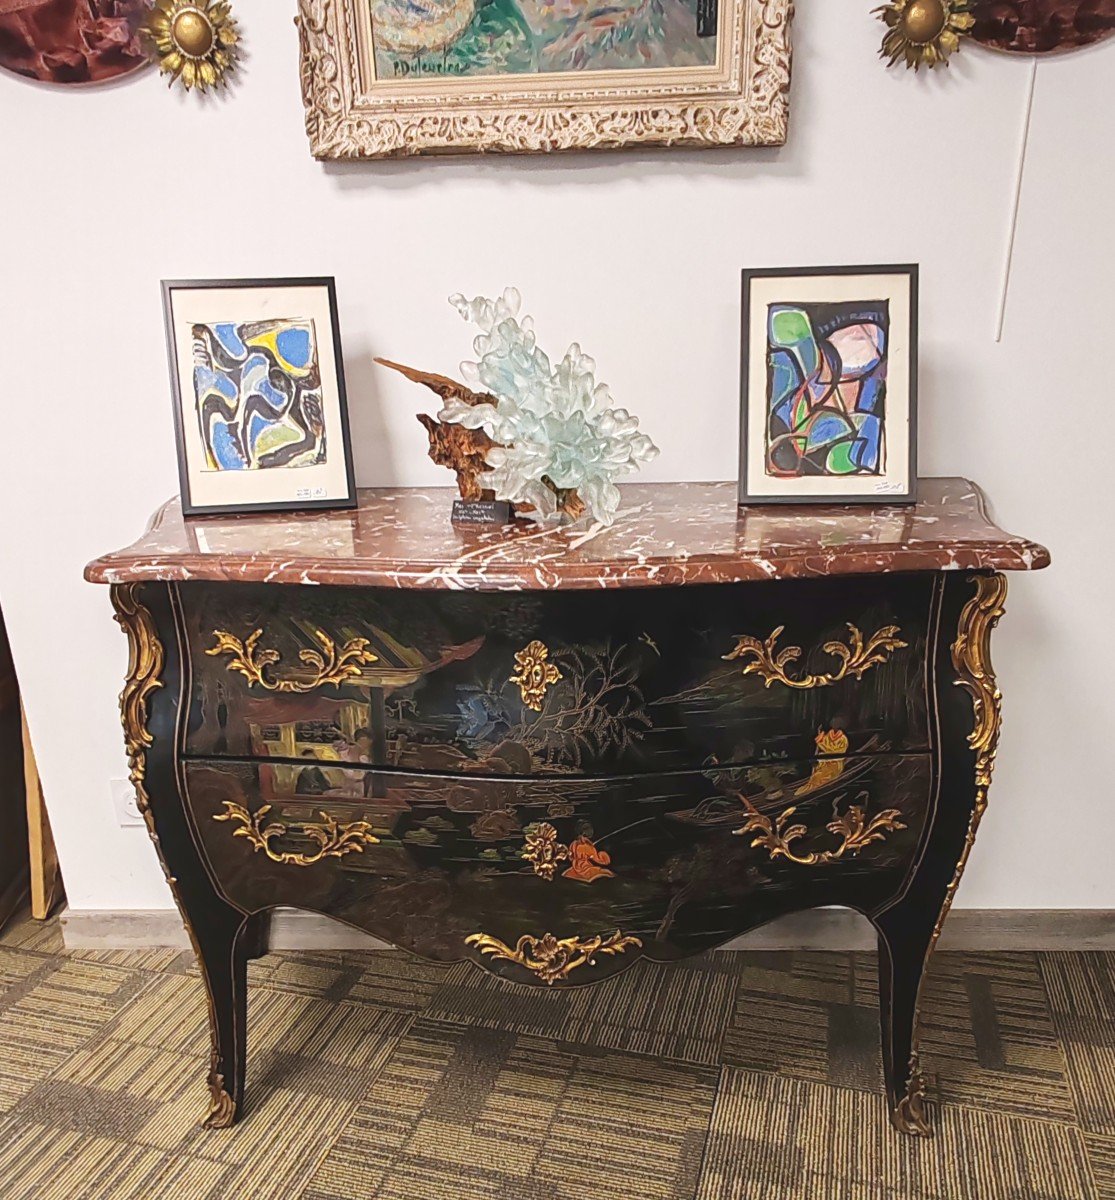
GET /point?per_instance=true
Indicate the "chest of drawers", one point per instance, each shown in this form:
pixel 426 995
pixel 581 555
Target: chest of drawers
pixel 555 752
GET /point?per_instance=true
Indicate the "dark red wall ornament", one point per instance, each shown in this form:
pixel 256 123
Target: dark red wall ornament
pixel 926 33
pixel 1041 26
pixel 71 41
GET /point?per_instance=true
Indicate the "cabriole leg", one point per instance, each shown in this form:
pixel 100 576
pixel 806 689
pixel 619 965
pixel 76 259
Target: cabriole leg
pixel 222 951
pixel 904 948
pixel 969 707
pixel 223 936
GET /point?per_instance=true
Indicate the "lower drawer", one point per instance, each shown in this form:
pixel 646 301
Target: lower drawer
pixel 450 866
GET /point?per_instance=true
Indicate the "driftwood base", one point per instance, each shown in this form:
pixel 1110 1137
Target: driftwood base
pixel 465 451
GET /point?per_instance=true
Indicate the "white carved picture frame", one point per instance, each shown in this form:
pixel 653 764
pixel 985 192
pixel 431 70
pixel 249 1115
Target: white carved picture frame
pixel 740 100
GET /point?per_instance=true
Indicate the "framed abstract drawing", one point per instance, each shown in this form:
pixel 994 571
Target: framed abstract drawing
pixel 387 78
pixel 828 384
pixel 258 388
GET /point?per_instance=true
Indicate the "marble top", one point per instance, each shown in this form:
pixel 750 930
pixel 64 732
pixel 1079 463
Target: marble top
pixel 664 534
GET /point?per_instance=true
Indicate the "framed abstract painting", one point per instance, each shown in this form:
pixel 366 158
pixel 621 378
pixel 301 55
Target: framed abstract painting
pixel 386 78
pixel 828 384
pixel 259 395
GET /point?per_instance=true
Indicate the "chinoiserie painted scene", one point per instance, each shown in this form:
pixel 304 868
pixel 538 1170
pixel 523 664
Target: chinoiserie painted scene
pixel 597 709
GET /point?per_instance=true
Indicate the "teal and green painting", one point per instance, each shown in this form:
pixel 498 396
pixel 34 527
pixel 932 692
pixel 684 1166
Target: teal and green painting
pixel 424 38
pixel 827 389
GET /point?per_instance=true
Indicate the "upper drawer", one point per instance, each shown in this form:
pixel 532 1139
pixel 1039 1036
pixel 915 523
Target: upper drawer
pixel 559 682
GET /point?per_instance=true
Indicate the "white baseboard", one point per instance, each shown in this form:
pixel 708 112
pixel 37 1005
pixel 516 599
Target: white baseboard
pixel 822 929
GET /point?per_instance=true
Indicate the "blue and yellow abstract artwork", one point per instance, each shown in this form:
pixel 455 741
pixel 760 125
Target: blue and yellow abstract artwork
pixel 827 389
pixel 257 390
pixel 454 38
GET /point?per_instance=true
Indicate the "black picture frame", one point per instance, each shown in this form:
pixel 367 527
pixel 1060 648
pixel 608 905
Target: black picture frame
pixel 909 494
pixel 191 509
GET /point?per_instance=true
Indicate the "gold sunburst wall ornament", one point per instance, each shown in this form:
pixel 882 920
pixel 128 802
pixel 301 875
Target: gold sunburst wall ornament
pixel 193 41
pixel 924 32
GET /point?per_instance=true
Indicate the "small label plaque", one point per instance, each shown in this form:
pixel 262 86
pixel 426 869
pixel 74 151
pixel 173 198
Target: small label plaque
pixel 481 512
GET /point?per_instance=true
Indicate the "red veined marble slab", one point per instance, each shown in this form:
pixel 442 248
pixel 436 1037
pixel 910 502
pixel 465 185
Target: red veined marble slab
pixel 673 533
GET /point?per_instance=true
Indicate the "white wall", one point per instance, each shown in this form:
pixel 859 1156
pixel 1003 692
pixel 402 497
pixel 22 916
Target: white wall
pixel 637 255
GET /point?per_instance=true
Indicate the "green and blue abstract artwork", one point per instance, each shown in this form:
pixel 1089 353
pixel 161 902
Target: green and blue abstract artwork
pixel 827 389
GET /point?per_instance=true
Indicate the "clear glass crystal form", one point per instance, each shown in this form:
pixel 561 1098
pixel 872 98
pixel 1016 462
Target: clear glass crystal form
pixel 555 427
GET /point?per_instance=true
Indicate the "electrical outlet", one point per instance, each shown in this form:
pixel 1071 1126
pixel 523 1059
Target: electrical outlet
pixel 124 801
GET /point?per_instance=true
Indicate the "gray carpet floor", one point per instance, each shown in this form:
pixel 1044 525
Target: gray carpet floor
pixel 731 1077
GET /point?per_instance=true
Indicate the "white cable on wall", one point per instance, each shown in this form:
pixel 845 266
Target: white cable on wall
pixel 1013 225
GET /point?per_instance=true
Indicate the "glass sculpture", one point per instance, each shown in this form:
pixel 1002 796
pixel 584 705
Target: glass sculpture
pixel 546 438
